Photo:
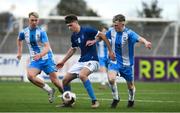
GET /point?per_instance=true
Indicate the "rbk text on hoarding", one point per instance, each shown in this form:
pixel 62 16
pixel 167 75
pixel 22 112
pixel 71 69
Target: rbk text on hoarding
pixel 157 68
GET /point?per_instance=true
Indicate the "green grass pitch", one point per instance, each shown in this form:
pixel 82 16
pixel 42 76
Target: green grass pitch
pixel 150 97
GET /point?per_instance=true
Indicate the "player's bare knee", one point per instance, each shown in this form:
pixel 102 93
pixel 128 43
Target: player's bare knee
pixel 53 78
pixel 111 81
pixel 82 77
pixel 30 77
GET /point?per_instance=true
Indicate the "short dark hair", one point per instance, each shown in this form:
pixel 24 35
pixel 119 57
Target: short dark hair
pixel 34 14
pixel 119 18
pixel 70 18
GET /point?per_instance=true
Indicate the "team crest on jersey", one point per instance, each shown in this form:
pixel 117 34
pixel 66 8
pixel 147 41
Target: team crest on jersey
pixel 79 40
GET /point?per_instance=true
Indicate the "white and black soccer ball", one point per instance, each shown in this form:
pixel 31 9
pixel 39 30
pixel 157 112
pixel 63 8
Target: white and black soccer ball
pixel 69 97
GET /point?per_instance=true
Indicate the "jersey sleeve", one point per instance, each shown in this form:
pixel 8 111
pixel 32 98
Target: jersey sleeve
pixel 134 37
pixel 73 44
pixel 21 36
pixel 44 37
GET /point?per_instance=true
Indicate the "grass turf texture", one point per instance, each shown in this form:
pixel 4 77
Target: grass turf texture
pixel 150 97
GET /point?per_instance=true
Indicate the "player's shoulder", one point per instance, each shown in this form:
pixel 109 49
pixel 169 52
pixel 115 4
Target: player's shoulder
pixel 111 31
pixel 128 30
pixel 25 30
pixel 40 29
pixel 88 28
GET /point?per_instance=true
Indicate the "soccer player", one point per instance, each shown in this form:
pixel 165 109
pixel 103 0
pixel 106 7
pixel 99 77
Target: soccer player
pixel 103 58
pixel 41 55
pixel 123 41
pixel 88 62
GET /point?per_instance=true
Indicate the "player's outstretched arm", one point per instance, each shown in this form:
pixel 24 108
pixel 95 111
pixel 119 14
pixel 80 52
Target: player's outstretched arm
pixel 68 55
pixel 90 42
pixel 146 43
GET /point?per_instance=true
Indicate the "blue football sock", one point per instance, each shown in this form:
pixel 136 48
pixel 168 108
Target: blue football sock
pixel 67 88
pixel 89 89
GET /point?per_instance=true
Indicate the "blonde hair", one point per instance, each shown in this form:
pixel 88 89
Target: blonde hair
pixel 119 17
pixel 35 14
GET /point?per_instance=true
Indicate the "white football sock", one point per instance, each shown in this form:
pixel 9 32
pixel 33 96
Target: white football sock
pixel 47 88
pixel 114 91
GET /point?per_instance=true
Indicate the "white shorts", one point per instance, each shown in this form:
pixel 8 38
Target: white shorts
pixel 93 66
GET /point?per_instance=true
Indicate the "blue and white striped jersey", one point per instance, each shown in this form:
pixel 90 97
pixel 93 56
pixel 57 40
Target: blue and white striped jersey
pixel 35 39
pixel 123 45
pixel 79 40
pixel 102 49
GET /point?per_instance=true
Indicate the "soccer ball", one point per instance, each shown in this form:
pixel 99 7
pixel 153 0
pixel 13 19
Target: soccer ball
pixel 69 97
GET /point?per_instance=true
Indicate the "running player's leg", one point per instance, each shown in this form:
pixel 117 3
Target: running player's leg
pixel 131 92
pixel 66 85
pixel 88 68
pixel 32 73
pixel 112 73
pixel 56 81
pixel 127 73
pixel 67 79
pixel 113 85
pixel 50 69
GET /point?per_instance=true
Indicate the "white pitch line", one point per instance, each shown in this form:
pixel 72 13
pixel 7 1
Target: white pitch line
pixel 81 96
pixel 107 99
pixel 123 93
pixel 153 101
